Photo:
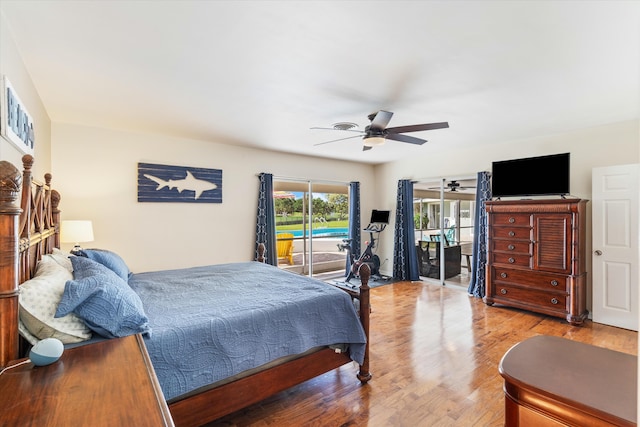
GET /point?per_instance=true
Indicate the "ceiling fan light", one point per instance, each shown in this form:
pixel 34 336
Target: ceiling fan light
pixel 373 141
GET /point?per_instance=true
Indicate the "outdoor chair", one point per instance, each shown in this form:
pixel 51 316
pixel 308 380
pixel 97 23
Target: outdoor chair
pixel 284 245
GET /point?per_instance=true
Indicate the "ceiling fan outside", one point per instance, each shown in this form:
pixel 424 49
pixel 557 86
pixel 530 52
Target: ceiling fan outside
pixel 454 186
pixel 377 132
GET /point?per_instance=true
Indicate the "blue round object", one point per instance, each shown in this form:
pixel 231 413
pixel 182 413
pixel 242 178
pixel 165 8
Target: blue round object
pixel 46 352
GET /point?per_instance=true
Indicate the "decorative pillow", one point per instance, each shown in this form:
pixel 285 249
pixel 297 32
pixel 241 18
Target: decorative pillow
pixel 109 259
pixel 38 300
pixel 103 300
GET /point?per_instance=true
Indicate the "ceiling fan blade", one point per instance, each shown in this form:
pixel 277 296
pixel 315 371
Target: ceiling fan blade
pixel 405 138
pixel 381 120
pixel 342 130
pixel 417 128
pixel 336 140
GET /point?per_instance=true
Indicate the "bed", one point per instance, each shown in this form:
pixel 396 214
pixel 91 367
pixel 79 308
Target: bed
pixel 214 383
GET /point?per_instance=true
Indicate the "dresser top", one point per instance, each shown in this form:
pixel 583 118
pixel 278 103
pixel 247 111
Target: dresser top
pixel 536 205
pixel 579 375
pixel 108 383
pixel 534 201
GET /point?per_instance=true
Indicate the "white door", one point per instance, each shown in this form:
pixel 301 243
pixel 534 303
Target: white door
pixel 615 254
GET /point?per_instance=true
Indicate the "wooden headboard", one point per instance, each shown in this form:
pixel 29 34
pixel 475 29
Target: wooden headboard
pixel 27 232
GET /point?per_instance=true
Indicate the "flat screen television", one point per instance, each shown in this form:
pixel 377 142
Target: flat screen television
pixel 381 217
pixel 532 176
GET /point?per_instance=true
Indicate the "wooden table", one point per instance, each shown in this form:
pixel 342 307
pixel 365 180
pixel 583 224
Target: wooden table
pixel 552 381
pixel 109 383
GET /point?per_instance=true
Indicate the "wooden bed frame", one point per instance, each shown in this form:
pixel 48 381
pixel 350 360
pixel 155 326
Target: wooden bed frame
pixel 33 229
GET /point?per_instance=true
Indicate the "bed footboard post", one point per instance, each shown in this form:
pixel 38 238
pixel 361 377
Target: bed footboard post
pixel 364 272
pixel 10 185
pixel 260 252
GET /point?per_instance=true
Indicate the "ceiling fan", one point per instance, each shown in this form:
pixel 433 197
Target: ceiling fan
pixel 453 186
pixel 377 132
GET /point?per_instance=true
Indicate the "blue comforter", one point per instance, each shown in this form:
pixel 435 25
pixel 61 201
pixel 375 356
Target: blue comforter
pixel 210 323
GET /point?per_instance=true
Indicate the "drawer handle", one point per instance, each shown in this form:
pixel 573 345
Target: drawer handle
pixel 503 291
pixel 511 234
pixel 503 275
pixel 554 283
pixel 511 260
pixel 554 300
pixel 511 247
pixel 512 220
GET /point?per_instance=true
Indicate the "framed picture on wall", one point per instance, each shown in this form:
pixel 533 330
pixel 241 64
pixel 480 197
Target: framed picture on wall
pixel 16 125
pixel 168 183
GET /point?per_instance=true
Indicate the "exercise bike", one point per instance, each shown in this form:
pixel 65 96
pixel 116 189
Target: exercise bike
pixel 367 257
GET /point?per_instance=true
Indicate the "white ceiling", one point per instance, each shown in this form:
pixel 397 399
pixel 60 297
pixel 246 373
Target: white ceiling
pixel 262 73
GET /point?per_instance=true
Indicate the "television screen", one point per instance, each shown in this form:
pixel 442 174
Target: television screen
pixel 533 176
pixel 380 217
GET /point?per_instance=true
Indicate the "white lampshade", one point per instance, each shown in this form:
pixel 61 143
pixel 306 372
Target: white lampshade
pixel 76 232
pixel 373 141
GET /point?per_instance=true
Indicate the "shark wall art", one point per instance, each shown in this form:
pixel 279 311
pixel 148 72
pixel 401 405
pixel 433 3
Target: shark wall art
pixel 165 183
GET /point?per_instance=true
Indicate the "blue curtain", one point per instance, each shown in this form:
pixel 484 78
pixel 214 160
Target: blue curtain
pixel 266 221
pixel 477 285
pixel 354 222
pixel 405 258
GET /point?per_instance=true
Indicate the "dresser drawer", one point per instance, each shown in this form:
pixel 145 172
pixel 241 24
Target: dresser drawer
pixel 520 260
pixel 520 233
pixel 543 281
pixel 545 301
pixel 512 246
pixel 517 219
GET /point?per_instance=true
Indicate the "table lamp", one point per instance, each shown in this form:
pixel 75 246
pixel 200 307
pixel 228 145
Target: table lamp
pixel 76 232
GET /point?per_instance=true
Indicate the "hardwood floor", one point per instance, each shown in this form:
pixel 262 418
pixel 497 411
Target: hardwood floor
pixel 434 358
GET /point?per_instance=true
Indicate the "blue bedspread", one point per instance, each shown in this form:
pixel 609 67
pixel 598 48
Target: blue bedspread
pixel 210 323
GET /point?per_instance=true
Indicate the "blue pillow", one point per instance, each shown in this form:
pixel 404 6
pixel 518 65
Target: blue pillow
pixel 103 301
pixel 109 259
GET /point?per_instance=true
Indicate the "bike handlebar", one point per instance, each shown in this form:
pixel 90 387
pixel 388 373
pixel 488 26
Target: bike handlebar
pixel 375 227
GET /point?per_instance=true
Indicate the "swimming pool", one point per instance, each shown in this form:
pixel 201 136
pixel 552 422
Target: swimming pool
pixel 322 232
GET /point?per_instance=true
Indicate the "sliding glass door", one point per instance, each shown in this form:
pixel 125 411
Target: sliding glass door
pixel 444 214
pixel 312 217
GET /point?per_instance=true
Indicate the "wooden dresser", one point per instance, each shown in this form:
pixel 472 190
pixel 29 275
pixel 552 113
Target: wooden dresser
pixel 536 256
pixel 109 383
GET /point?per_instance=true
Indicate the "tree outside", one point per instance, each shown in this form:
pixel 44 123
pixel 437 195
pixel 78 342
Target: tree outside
pixel 329 209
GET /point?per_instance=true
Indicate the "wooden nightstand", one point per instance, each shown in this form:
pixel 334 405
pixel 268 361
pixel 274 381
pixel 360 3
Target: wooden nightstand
pixel 109 383
pixel 553 381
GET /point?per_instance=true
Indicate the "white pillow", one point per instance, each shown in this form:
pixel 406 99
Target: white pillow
pixel 39 299
pixel 61 258
pixel 26 334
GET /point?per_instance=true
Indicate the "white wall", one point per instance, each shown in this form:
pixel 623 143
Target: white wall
pixel 12 66
pixel 95 171
pixel 613 144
